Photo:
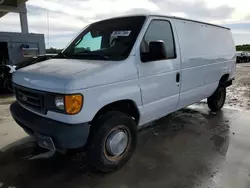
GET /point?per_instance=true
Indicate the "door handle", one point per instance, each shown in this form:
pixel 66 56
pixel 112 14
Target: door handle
pixel 178 77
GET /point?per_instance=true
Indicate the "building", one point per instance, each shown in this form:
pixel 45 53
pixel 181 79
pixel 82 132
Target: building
pixel 17 47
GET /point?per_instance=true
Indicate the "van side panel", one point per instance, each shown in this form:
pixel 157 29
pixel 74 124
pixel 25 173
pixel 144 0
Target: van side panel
pixel 208 52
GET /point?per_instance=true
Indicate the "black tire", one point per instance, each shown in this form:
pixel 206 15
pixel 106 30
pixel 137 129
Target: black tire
pixel 217 100
pixel 97 153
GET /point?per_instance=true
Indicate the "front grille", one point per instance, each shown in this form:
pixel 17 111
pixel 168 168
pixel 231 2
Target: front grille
pixel 30 98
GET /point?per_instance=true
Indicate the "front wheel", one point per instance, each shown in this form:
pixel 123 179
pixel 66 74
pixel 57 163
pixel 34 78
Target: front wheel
pixel 113 141
pixel 217 100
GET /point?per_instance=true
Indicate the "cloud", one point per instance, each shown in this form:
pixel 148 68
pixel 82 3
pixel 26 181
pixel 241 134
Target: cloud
pixel 195 9
pixel 247 18
pixel 72 16
pixel 239 25
pixel 61 27
pixel 93 8
pixel 67 18
pixel 242 38
pixel 240 31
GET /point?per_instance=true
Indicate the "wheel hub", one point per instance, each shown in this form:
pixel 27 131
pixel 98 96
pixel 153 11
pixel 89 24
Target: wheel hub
pixel 117 142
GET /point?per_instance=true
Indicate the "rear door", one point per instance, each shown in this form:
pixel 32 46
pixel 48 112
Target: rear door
pixel 159 80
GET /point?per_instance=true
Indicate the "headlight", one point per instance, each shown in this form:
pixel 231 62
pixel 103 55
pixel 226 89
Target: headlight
pixel 73 103
pixel 59 102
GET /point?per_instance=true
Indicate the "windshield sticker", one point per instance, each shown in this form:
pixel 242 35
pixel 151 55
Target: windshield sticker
pixel 120 33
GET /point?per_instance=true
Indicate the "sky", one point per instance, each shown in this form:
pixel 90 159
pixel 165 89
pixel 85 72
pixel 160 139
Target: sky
pixel 68 17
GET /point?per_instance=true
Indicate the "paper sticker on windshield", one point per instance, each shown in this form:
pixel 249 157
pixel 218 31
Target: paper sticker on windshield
pixel 120 33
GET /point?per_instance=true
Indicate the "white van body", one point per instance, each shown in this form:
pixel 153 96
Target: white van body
pixel 203 55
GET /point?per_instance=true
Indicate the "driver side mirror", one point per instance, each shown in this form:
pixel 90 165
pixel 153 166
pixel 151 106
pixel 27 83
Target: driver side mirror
pixel 156 51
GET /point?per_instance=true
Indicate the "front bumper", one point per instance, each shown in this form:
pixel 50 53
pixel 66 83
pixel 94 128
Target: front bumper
pixel 64 136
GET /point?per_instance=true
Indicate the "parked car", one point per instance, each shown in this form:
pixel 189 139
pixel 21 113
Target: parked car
pixel 245 56
pixel 248 56
pixel 239 58
pixel 5 77
pixel 118 75
pixel 6 71
pixel 242 57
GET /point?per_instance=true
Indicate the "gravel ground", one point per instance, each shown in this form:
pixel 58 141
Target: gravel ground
pixel 238 95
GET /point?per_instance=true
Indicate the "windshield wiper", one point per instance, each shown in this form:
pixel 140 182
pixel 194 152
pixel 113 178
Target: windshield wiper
pixel 60 55
pixel 90 54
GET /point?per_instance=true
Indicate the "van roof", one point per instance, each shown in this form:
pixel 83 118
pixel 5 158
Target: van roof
pixel 174 17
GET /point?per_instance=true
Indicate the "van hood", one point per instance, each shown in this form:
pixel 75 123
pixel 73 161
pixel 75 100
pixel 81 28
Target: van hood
pixel 66 75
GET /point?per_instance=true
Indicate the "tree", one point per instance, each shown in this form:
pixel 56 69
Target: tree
pixel 53 51
pixel 244 47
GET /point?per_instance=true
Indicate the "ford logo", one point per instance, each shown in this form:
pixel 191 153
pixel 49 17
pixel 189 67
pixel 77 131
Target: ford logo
pixel 24 98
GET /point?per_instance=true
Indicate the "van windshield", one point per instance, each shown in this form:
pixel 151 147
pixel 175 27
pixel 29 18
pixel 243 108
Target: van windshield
pixel 111 39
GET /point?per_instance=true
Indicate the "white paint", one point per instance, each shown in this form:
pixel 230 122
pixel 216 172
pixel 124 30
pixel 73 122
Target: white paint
pixel 204 54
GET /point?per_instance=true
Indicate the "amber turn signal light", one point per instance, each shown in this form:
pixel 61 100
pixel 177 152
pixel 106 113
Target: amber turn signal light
pixel 73 103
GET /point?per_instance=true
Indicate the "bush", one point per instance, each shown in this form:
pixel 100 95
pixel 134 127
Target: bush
pixel 244 47
pixel 53 51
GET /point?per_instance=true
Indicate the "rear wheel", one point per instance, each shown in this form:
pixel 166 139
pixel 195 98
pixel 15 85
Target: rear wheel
pixel 112 141
pixel 217 100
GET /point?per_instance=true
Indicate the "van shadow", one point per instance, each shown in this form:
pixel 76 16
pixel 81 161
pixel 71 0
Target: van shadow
pixel 179 150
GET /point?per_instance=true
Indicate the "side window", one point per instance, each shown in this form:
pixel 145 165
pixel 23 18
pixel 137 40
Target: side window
pixel 159 30
pixel 88 43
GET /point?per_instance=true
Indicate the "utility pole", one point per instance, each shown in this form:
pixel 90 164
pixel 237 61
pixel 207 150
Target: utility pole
pixel 48 28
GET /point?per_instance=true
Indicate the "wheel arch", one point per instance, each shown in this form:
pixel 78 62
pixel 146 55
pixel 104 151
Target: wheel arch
pixel 126 106
pixel 224 79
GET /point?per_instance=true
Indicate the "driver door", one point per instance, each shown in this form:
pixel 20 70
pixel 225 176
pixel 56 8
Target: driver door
pixel 159 80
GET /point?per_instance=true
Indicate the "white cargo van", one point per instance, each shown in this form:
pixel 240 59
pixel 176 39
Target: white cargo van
pixel 116 76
